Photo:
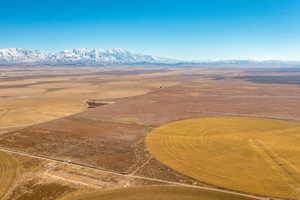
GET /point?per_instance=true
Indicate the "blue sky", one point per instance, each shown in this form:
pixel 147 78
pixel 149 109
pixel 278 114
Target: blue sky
pixel 186 29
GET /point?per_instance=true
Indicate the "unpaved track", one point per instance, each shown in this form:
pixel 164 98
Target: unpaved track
pixel 73 181
pixel 128 176
pixel 142 165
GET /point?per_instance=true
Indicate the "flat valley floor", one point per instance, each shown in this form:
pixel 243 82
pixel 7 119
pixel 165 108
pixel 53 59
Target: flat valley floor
pixel 52 146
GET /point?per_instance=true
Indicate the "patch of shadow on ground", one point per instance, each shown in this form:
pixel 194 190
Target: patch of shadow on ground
pixel 272 79
pixel 274 70
pixel 133 72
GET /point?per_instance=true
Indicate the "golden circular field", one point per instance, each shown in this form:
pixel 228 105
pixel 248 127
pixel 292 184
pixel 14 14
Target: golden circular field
pixel 156 193
pixel 8 170
pixel 252 155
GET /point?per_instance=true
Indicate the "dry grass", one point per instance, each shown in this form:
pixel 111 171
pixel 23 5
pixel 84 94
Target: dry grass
pixel 35 100
pixel 156 193
pixel 18 112
pixel 36 191
pixel 8 170
pixel 246 154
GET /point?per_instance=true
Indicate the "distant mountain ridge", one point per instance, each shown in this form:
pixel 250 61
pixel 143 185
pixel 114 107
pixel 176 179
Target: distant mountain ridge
pixel 117 56
pixel 79 56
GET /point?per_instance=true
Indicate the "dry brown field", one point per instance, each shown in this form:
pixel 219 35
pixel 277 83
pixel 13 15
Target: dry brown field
pixel 44 113
pixel 36 97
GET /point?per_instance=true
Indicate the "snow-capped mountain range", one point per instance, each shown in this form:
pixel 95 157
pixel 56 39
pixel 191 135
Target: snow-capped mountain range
pixel 80 56
pixel 116 56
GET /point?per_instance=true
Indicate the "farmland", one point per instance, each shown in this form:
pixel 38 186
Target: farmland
pixel 255 155
pixel 64 148
pixel 34 98
pixel 156 193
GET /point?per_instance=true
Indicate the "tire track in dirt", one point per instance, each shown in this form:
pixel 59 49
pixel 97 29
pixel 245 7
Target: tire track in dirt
pixel 275 161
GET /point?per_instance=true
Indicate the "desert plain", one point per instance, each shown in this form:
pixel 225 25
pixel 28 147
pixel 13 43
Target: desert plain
pixel 186 132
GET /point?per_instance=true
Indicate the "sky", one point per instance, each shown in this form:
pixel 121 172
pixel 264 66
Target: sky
pixel 183 29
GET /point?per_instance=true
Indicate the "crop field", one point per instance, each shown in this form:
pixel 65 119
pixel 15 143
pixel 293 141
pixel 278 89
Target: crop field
pixel 46 95
pixel 157 193
pixel 8 170
pixel 252 155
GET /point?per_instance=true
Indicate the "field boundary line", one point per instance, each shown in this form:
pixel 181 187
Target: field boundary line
pixel 252 115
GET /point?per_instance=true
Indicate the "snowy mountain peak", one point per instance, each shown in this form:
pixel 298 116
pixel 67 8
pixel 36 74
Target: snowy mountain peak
pixel 78 56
